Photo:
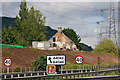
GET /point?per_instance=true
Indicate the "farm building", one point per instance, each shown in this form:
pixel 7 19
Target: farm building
pixel 59 41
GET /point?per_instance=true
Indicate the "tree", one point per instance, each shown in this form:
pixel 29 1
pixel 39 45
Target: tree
pixel 70 33
pixel 40 62
pixel 85 47
pixel 106 46
pixel 22 24
pixel 36 25
pixel 9 35
pixel 30 25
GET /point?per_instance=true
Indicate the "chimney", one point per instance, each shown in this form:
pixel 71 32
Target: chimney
pixel 60 29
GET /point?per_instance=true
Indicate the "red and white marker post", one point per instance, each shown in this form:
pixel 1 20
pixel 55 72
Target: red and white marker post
pixel 51 69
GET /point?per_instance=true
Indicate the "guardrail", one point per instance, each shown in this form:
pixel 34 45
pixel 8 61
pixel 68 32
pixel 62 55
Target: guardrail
pixel 65 67
pixel 65 74
pixel 110 77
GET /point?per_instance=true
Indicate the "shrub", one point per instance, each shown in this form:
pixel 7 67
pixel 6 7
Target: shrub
pixel 106 46
pixel 40 62
pixel 17 69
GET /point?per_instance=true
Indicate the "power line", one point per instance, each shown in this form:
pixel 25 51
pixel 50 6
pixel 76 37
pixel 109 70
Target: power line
pixel 109 31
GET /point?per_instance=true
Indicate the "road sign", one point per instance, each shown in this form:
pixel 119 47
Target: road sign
pixel 7 62
pixel 79 59
pixel 51 69
pixel 56 59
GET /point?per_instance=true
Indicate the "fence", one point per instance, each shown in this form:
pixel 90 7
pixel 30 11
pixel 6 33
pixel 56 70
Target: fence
pixel 65 67
pixel 8 45
pixel 20 69
pixel 66 76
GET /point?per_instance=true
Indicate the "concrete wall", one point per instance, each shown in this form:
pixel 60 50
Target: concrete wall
pixel 41 45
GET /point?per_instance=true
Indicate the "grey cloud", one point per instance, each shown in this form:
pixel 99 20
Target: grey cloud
pixel 10 9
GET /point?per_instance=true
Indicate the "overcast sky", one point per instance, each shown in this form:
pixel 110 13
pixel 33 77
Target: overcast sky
pixel 80 16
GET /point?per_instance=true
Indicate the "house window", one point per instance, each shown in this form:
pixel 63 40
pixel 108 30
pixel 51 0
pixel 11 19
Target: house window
pixel 54 39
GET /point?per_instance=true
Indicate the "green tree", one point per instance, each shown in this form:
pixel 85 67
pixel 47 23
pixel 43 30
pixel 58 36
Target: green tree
pixel 70 33
pixel 22 24
pixel 40 62
pixel 30 25
pixel 85 47
pixel 36 25
pixel 106 46
pixel 9 35
pixel 21 18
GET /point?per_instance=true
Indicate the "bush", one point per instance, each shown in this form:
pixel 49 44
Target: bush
pixel 17 69
pixel 106 46
pixel 40 63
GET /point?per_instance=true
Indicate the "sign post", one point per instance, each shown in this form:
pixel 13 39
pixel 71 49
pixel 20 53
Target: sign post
pixel 61 69
pixel 53 60
pixel 79 59
pixel 56 60
pixel 8 69
pixel 8 63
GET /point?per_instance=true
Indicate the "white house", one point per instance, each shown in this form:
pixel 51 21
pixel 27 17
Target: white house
pixel 59 41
